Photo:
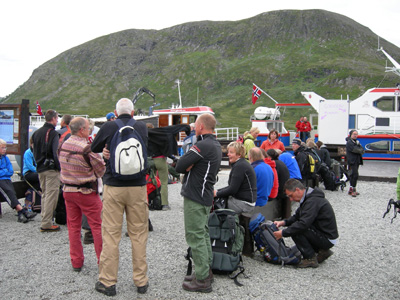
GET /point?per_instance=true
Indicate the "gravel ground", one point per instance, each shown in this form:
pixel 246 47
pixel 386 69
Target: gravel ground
pixel 365 263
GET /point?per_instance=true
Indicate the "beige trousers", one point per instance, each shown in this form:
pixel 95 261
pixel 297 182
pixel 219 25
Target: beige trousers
pixel 50 185
pixel 116 201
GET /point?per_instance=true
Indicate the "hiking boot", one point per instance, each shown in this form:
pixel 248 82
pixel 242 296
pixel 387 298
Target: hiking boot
pixel 308 262
pixel 350 191
pixel 193 276
pixel 29 214
pixel 323 255
pixel 22 218
pixel 108 291
pixel 165 207
pixel 51 229
pixel 88 238
pixel 202 286
pixel 143 289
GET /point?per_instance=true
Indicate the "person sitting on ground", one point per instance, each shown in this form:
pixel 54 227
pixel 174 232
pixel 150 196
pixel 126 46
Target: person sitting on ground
pixel 248 140
pixel 313 227
pixel 242 182
pixel 284 206
pixel 7 191
pixel 264 175
pixel 323 153
pixel 272 142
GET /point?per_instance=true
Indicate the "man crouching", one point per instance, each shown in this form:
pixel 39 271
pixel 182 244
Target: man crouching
pixel 313 227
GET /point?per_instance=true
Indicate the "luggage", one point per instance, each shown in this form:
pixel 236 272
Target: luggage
pixel 273 251
pixel 35 197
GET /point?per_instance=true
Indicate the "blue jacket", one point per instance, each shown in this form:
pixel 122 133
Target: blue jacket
pixel 291 163
pixel 29 162
pixel 265 181
pixel 6 169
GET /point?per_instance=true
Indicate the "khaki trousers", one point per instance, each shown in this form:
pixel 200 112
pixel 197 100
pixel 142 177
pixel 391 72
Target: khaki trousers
pixel 117 200
pixel 162 168
pixel 50 185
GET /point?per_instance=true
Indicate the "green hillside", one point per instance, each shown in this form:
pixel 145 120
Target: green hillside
pixel 283 52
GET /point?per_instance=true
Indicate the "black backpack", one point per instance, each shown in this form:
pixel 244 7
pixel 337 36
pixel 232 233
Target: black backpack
pixel 273 251
pixel 328 177
pixel 313 162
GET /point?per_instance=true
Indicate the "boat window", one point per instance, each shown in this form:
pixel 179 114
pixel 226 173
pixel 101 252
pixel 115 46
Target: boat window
pixel 396 146
pixel 382 121
pixel 380 145
pixel 192 119
pixel 176 119
pixel 385 103
pixel 277 126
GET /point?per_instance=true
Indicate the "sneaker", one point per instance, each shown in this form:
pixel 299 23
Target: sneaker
pixel 308 263
pixel 22 218
pixel 51 229
pixel 193 276
pixel 165 207
pixel 323 255
pixel 202 286
pixel 143 289
pixel 108 291
pixel 88 238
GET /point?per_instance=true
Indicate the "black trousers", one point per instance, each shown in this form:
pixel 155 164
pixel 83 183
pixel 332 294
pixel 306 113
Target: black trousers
pixel 7 193
pixel 310 242
pixel 353 174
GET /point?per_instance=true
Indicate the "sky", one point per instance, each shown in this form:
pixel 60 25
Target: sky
pixel 33 32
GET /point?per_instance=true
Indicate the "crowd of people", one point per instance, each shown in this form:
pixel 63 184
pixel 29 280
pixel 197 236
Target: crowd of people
pixel 265 179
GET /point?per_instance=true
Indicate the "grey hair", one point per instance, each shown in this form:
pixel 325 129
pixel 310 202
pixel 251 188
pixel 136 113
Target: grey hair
pixel 124 106
pixel 76 124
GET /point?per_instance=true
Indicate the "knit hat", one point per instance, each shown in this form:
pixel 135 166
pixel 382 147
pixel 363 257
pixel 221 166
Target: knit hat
pixel 110 116
pixel 296 141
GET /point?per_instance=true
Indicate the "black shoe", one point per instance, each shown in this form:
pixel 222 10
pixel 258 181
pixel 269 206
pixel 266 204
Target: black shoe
pixel 77 269
pixel 108 291
pixel 143 289
pixel 29 214
pixel 150 226
pixel 88 238
pixel 22 218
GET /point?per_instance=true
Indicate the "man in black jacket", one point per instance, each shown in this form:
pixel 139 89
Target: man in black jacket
pixel 200 166
pixel 313 227
pixel 119 197
pixel 45 145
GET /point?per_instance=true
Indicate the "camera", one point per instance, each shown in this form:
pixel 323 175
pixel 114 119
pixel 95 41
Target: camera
pixel 49 163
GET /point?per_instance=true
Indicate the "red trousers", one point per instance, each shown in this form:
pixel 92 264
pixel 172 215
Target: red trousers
pixel 91 206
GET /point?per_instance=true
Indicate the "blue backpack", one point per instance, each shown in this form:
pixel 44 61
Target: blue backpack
pixel 273 251
pixel 128 153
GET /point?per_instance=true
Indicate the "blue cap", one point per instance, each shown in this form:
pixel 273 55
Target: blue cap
pixel 110 116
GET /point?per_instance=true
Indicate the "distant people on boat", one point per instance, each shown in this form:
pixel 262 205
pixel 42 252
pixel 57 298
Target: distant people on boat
pixel 264 175
pixel 110 116
pixel 290 161
pixel 64 132
pixel 323 153
pixel 298 126
pixel 273 142
pixel 354 152
pixel 190 140
pixel 248 140
pixel 283 202
pixel 305 130
pixel 7 191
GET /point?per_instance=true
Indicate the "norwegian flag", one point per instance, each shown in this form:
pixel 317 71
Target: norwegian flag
pixel 256 93
pixel 38 109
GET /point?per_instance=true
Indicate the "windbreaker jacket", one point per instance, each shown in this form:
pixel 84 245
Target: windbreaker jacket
pixel 353 149
pixel 315 211
pixel 265 181
pixel 205 158
pixel 41 150
pixel 6 169
pixel 242 182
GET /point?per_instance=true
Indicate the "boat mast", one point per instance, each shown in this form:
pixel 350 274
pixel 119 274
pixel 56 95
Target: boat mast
pixel 179 90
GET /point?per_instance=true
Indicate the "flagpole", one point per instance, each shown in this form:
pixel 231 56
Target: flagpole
pixel 265 93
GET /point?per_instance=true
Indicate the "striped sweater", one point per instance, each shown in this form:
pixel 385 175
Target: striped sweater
pixel 78 168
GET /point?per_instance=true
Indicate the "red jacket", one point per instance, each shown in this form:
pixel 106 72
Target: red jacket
pixel 299 125
pixel 306 126
pixel 274 191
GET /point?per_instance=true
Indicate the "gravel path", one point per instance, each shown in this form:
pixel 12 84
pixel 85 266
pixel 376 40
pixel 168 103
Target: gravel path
pixel 365 265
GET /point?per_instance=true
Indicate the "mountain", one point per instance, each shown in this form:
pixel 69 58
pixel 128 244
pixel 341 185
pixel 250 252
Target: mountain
pixel 283 52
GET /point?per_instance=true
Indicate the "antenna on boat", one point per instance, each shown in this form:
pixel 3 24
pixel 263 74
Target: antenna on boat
pixel 179 90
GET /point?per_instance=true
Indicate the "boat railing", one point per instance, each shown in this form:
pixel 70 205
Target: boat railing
pixel 38 121
pixel 227 133
pixel 366 126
